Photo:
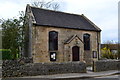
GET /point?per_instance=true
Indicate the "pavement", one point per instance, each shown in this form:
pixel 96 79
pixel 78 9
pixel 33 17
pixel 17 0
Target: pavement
pixel 77 75
pixel 0 69
pixel 112 75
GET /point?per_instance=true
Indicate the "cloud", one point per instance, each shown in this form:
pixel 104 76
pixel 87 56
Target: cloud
pixel 11 8
pixel 107 36
pixel 104 13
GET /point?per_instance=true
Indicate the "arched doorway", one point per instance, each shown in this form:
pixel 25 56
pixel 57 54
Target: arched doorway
pixel 75 53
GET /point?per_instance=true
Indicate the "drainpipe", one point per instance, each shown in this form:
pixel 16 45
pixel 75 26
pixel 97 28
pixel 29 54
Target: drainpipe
pixel 30 38
pixel 98 45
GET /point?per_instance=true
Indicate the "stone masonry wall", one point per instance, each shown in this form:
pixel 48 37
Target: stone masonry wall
pixel 104 65
pixel 17 69
pixel 40 49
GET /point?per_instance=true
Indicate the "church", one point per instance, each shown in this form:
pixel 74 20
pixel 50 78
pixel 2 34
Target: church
pixel 54 36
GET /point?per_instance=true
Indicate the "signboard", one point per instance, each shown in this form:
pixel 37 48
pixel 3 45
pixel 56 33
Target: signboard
pixel 52 56
pixel 94 54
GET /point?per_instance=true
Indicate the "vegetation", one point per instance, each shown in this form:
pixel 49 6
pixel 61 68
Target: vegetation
pixel 119 53
pixel 12 35
pixel 7 55
pixel 106 53
pixel 46 5
pixel 106 50
pixel 13 31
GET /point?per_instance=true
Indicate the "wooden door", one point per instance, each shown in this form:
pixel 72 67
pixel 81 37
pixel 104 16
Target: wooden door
pixel 75 53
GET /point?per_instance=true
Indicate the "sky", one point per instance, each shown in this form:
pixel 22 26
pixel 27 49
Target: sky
pixel 119 22
pixel 104 13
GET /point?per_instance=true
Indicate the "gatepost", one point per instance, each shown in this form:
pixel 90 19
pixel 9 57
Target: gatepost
pixel 95 58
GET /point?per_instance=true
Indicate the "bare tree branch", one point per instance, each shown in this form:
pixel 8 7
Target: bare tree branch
pixel 55 6
pixel 47 5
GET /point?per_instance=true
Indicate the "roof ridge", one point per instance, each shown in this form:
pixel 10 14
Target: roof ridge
pixel 57 11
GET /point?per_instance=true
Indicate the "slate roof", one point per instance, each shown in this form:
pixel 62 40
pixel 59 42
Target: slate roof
pixel 45 17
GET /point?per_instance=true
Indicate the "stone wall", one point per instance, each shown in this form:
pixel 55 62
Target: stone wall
pixel 17 69
pixel 104 65
pixel 40 49
pixel 12 67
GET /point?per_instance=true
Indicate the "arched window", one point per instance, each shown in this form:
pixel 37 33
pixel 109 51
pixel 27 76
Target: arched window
pixel 86 38
pixel 53 40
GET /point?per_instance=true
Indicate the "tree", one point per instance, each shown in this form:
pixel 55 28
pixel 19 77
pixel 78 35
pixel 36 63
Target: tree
pixel 105 53
pixel 0 38
pixel 13 30
pixel 107 50
pixel 46 5
pixel 109 42
pixel 118 53
pixel 12 36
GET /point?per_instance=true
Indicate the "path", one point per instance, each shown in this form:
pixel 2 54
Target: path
pixel 104 75
pixel 72 76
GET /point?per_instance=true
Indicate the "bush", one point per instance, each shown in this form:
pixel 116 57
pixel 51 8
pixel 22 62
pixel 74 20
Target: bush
pixel 106 53
pixel 118 54
pixel 6 54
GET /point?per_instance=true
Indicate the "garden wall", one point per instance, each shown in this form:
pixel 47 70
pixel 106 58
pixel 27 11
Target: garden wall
pixel 105 65
pixel 18 69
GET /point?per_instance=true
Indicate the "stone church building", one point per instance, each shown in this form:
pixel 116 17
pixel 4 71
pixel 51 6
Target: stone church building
pixel 53 36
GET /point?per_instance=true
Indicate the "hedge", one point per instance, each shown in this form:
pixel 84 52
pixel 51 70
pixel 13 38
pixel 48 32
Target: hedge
pixel 5 54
